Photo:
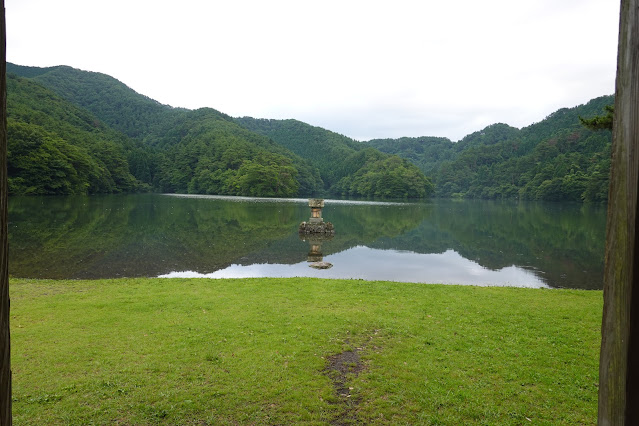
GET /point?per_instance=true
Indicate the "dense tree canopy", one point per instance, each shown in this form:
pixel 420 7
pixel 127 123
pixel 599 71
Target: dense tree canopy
pixel 57 148
pixel 115 104
pixel 347 167
pixel 555 159
pixel 600 122
pixel 383 176
pixel 60 148
pixel 76 132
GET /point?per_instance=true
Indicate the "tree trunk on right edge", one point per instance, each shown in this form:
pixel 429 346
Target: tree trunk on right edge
pixel 619 358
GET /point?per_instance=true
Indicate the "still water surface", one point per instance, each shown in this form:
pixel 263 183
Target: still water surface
pixel 523 244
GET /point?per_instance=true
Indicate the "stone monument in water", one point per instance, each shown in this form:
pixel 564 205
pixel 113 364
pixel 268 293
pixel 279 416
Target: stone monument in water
pixel 316 224
pixel 316 231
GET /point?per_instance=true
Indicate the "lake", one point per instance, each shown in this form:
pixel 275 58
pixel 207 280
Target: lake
pixel 508 243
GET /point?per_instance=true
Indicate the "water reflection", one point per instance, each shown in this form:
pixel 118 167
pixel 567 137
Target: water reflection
pixel 387 265
pixel 478 242
pixel 315 257
pixel 316 231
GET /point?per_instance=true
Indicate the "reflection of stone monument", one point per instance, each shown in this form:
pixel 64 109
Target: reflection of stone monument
pixel 316 224
pixel 316 231
pixel 315 251
pixel 315 256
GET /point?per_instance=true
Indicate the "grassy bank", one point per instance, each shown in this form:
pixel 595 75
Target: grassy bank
pixel 282 351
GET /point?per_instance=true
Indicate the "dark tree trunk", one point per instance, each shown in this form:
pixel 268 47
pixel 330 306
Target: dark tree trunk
pixel 5 345
pixel 619 360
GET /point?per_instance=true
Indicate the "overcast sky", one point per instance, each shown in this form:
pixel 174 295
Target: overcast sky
pixel 363 68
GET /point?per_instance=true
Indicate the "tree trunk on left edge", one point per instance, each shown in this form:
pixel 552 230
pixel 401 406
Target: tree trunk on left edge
pixel 5 345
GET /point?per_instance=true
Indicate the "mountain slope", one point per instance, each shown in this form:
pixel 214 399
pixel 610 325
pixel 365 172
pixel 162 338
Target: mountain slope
pixel 323 147
pixel 180 150
pixel 425 152
pixel 208 154
pixel 555 159
pixel 347 167
pixel 55 147
pixel 207 151
pixel 117 105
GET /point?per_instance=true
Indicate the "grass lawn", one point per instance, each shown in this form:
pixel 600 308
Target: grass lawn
pixel 300 350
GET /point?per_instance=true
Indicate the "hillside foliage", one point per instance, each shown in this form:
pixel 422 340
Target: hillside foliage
pixel 202 151
pixel 557 159
pixel 57 148
pixel 78 132
pixel 347 167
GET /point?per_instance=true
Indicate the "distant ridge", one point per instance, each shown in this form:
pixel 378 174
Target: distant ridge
pixel 554 159
pixel 206 151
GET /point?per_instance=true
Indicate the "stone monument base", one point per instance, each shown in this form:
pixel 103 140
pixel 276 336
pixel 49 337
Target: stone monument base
pixel 325 228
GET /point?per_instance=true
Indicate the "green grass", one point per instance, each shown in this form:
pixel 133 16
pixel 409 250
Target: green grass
pixel 254 351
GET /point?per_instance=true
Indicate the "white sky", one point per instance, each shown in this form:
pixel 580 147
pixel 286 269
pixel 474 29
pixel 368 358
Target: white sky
pixel 363 68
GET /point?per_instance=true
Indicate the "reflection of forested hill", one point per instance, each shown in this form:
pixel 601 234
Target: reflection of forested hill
pixel 565 241
pixel 355 224
pixel 149 235
pixel 140 235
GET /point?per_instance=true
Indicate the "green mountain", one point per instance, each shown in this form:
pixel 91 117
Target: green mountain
pixel 347 167
pixel 555 159
pixel 324 148
pixel 115 104
pixel 208 154
pixel 176 150
pixel 425 152
pixel 55 147
pixel 74 131
pixel 206 151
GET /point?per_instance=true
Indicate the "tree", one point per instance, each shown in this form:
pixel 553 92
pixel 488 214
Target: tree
pixel 619 358
pixel 600 122
pixel 5 341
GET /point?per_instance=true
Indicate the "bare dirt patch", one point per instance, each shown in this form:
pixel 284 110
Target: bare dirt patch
pixel 341 369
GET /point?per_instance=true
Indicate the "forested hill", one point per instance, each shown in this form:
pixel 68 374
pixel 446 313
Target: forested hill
pixel 117 105
pixel 347 167
pixel 555 159
pixel 177 150
pixel 55 147
pixel 73 131
pixel 429 152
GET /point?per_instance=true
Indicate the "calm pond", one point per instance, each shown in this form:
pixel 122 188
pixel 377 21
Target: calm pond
pixel 523 244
